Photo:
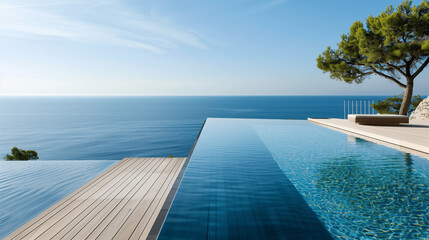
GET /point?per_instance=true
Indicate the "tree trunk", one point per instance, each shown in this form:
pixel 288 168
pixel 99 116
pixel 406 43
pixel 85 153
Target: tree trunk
pixel 406 100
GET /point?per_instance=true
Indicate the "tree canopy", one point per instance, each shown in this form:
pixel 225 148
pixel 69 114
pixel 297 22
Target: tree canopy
pixel 394 45
pixel 19 154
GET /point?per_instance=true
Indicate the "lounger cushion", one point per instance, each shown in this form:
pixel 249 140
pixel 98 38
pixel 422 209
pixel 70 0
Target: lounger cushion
pixel 379 119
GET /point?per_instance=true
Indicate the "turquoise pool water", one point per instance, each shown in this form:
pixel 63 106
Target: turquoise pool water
pixel 27 188
pixel 283 179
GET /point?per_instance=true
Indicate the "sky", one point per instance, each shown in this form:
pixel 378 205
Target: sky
pixel 186 47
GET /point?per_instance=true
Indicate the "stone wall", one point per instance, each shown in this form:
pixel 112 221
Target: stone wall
pixel 422 111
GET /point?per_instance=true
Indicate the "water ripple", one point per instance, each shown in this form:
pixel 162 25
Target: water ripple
pixel 28 188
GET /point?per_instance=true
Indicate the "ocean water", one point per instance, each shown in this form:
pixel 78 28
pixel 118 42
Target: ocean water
pixel 111 128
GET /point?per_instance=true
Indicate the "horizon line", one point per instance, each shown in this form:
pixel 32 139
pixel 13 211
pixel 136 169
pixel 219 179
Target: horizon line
pixel 207 95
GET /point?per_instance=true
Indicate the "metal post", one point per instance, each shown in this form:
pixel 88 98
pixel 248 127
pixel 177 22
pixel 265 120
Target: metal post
pixel 357 109
pixel 360 106
pixel 366 108
pixel 348 107
pixel 369 106
pixel 344 109
pixel 352 106
pixel 364 105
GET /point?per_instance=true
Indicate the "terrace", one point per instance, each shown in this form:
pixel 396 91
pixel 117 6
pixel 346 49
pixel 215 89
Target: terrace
pixel 256 179
pixel 410 137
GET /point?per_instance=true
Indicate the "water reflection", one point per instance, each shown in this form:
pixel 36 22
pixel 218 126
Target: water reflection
pixel 408 162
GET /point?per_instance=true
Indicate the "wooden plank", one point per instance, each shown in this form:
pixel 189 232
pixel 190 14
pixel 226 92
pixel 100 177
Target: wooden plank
pixel 153 195
pixel 82 206
pixel 116 216
pixel 75 206
pixel 146 222
pixel 37 221
pixel 124 200
pixel 74 226
pixel 89 223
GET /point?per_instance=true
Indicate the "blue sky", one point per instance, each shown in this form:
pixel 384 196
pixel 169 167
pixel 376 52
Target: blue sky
pixel 164 47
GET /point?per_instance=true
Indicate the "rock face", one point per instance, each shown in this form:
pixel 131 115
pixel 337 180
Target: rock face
pixel 422 111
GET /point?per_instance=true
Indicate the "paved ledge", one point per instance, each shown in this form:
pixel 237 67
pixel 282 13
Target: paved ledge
pixel 414 136
pixel 121 203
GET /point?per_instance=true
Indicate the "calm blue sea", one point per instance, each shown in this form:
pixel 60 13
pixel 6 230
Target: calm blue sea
pixel 111 128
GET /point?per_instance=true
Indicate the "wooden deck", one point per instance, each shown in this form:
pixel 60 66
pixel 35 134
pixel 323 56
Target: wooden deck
pixel 121 203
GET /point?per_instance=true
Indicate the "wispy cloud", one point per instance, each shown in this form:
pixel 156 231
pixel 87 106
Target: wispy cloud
pixel 105 22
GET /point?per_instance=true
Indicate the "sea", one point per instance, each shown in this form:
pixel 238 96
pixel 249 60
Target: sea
pixel 112 128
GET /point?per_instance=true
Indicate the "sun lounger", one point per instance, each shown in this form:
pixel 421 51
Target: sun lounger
pixel 378 119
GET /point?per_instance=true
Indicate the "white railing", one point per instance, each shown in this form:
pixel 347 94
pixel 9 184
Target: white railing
pixel 358 107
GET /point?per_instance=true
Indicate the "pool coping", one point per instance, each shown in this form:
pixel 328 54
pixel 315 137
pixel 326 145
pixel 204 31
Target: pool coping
pixel 162 215
pixel 371 135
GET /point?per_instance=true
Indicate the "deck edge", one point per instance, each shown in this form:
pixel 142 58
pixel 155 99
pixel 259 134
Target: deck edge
pixel 392 141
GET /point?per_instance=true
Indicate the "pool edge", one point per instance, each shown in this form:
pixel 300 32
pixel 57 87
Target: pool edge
pixel 160 219
pixel 398 144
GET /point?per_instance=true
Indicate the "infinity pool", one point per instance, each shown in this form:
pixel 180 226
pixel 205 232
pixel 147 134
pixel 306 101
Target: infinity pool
pixel 286 179
pixel 27 188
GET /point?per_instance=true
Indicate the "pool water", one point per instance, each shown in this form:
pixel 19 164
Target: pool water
pixel 288 179
pixel 27 188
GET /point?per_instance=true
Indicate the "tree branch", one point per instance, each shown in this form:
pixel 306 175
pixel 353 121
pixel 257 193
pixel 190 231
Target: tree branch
pixel 411 61
pixel 352 63
pixel 381 66
pixel 389 77
pixel 397 69
pixel 421 68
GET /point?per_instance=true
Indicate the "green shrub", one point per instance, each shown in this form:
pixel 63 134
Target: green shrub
pixel 392 104
pixel 21 155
